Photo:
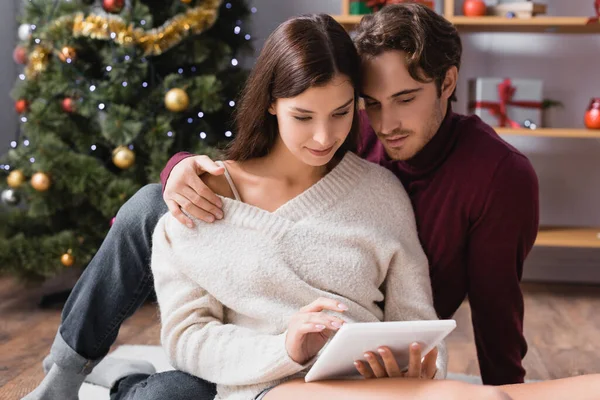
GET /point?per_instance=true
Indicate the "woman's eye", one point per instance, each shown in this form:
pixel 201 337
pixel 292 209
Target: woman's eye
pixel 302 118
pixel 341 114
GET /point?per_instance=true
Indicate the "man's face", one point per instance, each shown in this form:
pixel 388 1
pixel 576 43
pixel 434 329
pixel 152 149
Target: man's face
pixel 404 113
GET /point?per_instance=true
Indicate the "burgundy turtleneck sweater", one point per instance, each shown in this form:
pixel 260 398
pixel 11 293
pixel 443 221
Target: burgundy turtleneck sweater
pixel 476 204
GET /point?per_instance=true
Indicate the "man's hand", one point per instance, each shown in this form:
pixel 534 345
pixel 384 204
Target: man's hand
pixel 388 367
pixel 184 190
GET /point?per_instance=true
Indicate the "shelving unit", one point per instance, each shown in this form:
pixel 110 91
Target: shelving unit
pixel 548 236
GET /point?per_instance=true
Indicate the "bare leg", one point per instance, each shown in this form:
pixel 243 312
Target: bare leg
pixel 586 387
pixel 383 389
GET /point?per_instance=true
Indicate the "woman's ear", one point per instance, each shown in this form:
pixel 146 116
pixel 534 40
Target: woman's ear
pixel 272 109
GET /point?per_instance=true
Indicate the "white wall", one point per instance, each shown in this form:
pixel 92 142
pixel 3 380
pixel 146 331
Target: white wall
pixel 568 169
pixel 8 73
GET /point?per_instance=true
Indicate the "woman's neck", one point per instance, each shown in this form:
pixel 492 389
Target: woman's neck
pixel 282 166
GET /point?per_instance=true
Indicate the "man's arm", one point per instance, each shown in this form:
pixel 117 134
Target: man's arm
pixel 173 161
pixel 499 241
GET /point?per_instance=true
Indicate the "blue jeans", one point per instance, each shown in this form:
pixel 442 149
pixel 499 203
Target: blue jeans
pixel 172 385
pixel 113 286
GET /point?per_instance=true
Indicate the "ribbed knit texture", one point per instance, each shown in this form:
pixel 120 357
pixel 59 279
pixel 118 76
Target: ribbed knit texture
pixel 227 290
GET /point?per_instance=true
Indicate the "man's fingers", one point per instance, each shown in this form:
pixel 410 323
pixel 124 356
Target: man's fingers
pixel 430 364
pixel 324 303
pixel 201 203
pixel 375 365
pixel 178 214
pixel 203 191
pixel 390 363
pixel 364 370
pixel 186 205
pixel 414 363
pixel 205 164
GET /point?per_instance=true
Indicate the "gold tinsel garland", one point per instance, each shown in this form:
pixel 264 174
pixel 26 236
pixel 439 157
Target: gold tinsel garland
pixel 111 27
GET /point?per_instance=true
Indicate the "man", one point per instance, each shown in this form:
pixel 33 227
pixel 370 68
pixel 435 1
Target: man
pixel 475 199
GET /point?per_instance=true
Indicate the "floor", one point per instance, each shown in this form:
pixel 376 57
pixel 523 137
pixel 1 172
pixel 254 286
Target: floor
pixel 562 328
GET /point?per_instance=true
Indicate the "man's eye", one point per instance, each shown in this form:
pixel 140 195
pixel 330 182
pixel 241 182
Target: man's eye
pixel 407 100
pixel 371 105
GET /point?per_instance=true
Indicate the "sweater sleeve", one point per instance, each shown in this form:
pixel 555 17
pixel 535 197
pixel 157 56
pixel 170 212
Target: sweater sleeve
pixel 499 242
pixel 408 292
pixel 173 161
pixel 193 334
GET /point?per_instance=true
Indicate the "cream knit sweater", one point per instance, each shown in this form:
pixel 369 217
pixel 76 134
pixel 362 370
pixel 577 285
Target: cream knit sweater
pixel 226 290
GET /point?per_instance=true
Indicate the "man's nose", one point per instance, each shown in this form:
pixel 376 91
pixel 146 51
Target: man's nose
pixel 389 122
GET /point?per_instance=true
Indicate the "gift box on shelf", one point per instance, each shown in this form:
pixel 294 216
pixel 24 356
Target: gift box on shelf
pixel 503 102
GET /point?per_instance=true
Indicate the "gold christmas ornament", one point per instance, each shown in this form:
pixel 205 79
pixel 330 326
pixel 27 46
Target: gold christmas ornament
pixel 67 259
pixel 186 1
pixel 123 157
pixel 177 100
pixel 40 181
pixel 15 178
pixel 67 53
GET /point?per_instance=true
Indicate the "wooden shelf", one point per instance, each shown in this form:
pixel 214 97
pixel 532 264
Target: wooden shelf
pixel 569 237
pixel 555 133
pixel 500 24
pixel 533 25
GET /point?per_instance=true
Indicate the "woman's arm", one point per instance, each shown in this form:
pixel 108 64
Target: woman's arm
pixel 193 333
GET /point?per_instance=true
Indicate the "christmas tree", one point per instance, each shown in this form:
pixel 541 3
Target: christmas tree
pixel 110 89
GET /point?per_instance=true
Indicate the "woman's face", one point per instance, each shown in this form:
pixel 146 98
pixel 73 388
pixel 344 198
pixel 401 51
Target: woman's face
pixel 314 124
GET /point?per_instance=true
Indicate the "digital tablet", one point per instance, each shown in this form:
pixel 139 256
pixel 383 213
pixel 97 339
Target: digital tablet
pixel 350 343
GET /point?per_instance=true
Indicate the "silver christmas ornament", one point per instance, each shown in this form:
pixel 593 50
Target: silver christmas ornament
pixel 10 197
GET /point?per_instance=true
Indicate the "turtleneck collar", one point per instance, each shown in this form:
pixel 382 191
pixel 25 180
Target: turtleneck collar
pixel 436 150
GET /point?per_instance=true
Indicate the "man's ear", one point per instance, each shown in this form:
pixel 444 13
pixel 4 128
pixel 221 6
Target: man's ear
pixel 450 82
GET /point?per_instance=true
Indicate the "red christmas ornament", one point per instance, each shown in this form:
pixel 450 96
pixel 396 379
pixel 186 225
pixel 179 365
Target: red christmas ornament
pixel 113 6
pixel 21 106
pixel 68 105
pixel 112 221
pixel 474 8
pixel 592 115
pixel 20 55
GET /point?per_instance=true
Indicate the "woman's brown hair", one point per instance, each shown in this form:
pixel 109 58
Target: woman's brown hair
pixel 303 52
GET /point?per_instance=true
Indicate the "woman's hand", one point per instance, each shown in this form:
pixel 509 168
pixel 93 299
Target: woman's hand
pixel 310 328
pixel 388 367
pixel 184 190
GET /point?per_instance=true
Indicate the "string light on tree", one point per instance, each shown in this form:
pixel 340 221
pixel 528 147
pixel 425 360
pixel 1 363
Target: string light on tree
pixel 228 134
pixel 40 181
pixel 123 157
pixel 232 103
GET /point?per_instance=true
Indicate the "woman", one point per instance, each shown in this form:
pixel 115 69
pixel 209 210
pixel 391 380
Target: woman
pixel 249 301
